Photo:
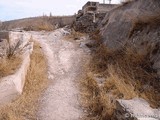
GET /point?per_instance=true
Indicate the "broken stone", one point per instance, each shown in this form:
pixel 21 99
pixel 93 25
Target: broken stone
pixel 135 109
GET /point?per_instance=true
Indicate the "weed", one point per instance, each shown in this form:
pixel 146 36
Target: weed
pixel 25 106
pixel 125 72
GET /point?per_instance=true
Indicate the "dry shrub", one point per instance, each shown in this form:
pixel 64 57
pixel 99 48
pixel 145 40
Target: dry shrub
pixel 126 72
pixel 9 65
pixel 25 106
pixel 45 26
pixel 96 36
pixel 39 26
pixel 95 100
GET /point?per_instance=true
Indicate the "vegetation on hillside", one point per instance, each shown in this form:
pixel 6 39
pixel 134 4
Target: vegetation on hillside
pixel 120 74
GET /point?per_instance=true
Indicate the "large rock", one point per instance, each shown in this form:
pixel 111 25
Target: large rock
pixel 85 24
pixel 135 109
pixel 136 25
pixel 118 23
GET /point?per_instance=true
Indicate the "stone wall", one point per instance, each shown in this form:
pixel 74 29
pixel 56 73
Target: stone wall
pixel 11 86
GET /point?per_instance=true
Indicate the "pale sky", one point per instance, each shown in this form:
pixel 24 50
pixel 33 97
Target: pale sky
pixel 15 9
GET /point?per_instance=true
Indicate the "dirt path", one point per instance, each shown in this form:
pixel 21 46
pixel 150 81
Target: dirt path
pixel 65 60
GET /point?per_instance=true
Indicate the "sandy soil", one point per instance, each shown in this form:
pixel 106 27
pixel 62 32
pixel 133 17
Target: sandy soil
pixel 60 101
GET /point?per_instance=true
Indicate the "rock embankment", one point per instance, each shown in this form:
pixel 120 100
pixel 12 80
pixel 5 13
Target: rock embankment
pixel 12 86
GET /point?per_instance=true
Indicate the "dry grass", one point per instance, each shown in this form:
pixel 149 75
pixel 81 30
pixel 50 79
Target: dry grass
pixel 25 106
pixel 74 35
pixel 8 66
pixel 33 23
pixel 39 26
pixel 11 62
pixel 125 72
pixel 45 27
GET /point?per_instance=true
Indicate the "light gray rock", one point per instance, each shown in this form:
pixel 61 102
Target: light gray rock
pixel 4 36
pixel 12 42
pixel 135 109
pixel 0 23
pixel 117 25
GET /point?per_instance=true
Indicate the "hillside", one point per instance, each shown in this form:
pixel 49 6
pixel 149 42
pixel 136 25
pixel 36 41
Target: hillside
pixel 104 66
pixel 38 23
pixel 125 63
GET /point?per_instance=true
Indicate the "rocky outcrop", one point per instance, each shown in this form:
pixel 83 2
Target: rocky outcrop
pixel 135 24
pixel 84 24
pixel 91 15
pixel 118 25
pixel 88 23
pixel 135 109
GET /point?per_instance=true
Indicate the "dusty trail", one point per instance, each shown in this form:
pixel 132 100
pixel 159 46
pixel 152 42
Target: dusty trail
pixel 65 60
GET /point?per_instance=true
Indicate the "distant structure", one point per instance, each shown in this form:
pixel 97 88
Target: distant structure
pixel 91 14
pixel 96 7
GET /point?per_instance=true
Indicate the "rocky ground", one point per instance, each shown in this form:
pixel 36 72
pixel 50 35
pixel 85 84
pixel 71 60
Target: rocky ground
pixel 65 59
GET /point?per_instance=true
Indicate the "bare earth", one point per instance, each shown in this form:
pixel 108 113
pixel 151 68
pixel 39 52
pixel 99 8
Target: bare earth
pixel 65 60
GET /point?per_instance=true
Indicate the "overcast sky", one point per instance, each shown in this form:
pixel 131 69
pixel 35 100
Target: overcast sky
pixel 15 9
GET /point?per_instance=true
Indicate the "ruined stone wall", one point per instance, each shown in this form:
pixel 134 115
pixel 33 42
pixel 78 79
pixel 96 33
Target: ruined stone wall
pixel 106 7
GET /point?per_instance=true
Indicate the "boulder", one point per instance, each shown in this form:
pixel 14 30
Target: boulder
pixel 135 109
pixel 117 26
pixel 84 23
pixel 135 24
